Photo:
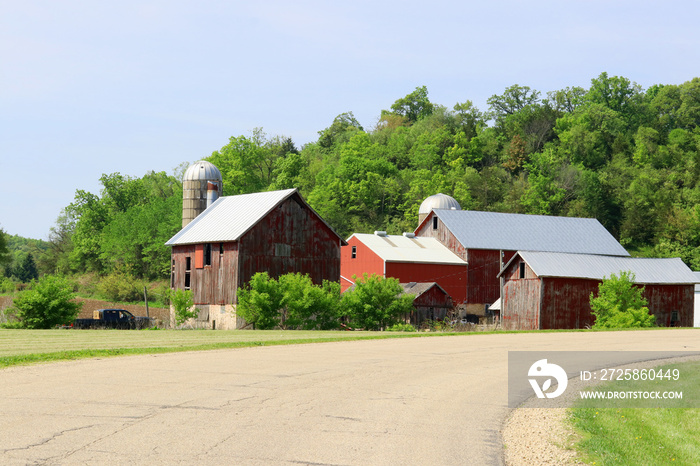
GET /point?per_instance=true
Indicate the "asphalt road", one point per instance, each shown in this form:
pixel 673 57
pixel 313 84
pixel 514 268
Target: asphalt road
pixel 423 401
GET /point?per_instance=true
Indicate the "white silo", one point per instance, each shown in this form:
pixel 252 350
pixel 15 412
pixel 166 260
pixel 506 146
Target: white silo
pixel 202 182
pixel 436 201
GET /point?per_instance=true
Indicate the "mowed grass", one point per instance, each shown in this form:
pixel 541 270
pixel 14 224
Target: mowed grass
pixel 34 346
pixel 649 436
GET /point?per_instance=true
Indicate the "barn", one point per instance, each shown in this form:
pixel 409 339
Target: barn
pixel 431 302
pixel 488 240
pixel 406 258
pixel 544 290
pixel 237 236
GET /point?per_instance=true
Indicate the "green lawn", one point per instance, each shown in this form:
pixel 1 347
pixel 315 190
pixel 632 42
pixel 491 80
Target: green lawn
pixel 649 436
pixel 32 346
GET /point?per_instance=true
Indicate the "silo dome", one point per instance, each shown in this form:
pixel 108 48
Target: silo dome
pixel 201 185
pixel 202 171
pixel 436 201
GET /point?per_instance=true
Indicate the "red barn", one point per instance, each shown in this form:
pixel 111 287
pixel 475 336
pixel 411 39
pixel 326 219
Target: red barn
pixel 487 240
pixel 237 236
pixel 431 302
pixel 552 290
pixel 406 258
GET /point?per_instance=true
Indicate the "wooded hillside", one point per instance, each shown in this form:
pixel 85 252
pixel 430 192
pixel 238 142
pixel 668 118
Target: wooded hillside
pixel 627 156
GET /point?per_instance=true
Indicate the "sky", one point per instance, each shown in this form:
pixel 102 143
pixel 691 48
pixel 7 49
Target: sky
pixel 92 87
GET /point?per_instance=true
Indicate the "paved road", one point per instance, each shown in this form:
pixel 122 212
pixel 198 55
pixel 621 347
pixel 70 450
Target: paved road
pixel 410 401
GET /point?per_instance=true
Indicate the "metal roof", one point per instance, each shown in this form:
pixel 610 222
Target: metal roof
pixel 397 248
pixel 514 232
pixel 418 289
pixel 229 218
pixel 596 267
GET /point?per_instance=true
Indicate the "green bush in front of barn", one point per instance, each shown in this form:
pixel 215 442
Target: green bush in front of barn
pixel 620 304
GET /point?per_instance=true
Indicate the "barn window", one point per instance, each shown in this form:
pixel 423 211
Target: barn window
pixel 435 223
pixel 221 249
pixel 207 254
pixel 354 252
pixel 674 316
pixel 521 273
pixel 188 269
pixel 172 275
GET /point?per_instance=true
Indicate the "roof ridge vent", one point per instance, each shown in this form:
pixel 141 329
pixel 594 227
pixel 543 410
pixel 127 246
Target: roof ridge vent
pixel 380 233
pixel 409 235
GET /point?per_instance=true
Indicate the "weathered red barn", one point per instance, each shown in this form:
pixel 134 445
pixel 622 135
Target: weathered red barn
pixel 406 258
pixel 545 290
pixel 488 240
pixel 431 302
pixel 237 236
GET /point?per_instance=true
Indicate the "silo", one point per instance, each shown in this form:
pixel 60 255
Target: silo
pixel 436 201
pixel 198 179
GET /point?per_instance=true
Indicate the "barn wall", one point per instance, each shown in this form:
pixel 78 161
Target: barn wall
pixel 211 284
pixel 434 304
pixel 484 286
pixel 442 234
pixel 664 299
pixel 566 303
pixel 365 261
pixel 290 239
pixel 452 278
pixel 520 306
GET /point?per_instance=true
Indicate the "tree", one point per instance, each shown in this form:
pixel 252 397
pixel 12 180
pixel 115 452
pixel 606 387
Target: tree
pixel 27 271
pixel 376 302
pixel 514 99
pixel 183 304
pixel 260 302
pixel 620 304
pixel 47 303
pixel 5 257
pixel 413 106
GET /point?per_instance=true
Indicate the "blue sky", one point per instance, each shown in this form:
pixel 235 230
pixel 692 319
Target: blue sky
pixel 90 87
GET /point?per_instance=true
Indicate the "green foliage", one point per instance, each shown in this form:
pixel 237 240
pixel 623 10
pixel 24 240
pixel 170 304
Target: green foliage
pixel 290 302
pixel 121 287
pixel 6 285
pixel 620 304
pixel 47 303
pixel 376 303
pixel 401 327
pixel 183 303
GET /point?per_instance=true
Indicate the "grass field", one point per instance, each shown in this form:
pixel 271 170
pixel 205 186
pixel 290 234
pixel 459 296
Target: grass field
pixel 630 436
pixel 33 346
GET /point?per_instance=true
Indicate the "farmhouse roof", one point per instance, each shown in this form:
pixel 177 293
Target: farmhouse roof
pixel 398 248
pixel 513 232
pixel 596 267
pixel 230 217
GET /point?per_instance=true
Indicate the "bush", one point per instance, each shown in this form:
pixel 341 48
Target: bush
pixel 49 302
pixel 120 287
pixel 376 303
pixel 7 286
pixel 620 304
pixel 183 303
pixel 401 328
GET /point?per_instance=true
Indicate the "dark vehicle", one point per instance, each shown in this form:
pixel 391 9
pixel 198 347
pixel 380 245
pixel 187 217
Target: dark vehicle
pixel 113 318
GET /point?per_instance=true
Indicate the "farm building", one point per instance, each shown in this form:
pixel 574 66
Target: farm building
pixel 237 236
pixel 545 290
pixel 488 240
pixel 431 302
pixel 406 258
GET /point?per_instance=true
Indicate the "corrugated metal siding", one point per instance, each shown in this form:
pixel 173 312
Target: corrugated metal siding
pixel 452 278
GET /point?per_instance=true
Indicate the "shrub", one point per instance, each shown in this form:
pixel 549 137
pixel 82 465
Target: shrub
pixel 121 287
pixel 620 304
pixel 49 302
pixel 183 303
pixel 7 286
pixel 401 327
pixel 376 302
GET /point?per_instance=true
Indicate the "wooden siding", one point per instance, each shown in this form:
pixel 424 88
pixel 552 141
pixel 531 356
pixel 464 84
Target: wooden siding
pixel 665 299
pixel 521 303
pixel 205 281
pixel 442 234
pixel 434 304
pixel 566 303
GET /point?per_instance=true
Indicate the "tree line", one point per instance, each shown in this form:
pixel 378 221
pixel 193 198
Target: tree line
pixel 628 156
